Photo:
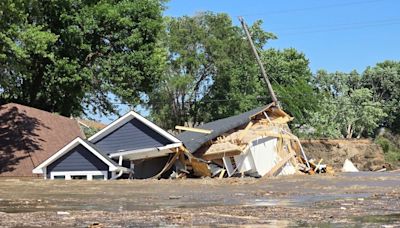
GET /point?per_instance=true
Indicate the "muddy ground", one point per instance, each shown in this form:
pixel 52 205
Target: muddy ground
pixel 364 153
pixel 342 200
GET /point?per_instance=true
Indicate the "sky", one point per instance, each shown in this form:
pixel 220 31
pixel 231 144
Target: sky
pixel 335 35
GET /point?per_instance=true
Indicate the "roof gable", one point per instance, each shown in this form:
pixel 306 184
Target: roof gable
pixel 133 135
pixel 78 158
pixel 70 146
pixel 125 119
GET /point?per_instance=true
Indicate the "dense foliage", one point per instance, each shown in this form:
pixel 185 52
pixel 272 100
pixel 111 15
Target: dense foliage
pixel 207 61
pixel 211 72
pixel 66 55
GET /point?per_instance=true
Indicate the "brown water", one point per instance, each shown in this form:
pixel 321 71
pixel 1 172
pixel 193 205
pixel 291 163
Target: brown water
pixel 345 199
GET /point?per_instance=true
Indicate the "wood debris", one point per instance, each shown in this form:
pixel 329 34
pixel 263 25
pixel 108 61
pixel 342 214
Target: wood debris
pixel 263 147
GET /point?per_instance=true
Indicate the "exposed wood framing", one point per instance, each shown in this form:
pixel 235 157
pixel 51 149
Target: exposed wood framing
pixel 280 164
pixel 168 165
pixel 200 168
pixel 192 129
pixel 244 132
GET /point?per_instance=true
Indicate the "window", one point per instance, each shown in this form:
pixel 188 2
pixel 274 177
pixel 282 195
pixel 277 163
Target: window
pixel 98 177
pixel 60 177
pixel 78 177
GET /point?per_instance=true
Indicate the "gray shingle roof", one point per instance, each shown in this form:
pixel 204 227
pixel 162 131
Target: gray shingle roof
pixel 193 141
pixel 100 152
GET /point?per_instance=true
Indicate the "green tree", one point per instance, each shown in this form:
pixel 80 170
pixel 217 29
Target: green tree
pixel 346 108
pixel 210 71
pixel 292 80
pixel 65 55
pixel 384 82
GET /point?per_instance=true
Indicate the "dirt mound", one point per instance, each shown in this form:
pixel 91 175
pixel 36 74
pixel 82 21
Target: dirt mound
pixel 366 155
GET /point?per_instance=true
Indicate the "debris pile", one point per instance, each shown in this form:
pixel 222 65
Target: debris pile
pixel 262 145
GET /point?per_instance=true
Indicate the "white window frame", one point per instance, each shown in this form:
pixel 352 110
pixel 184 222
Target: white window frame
pixel 88 174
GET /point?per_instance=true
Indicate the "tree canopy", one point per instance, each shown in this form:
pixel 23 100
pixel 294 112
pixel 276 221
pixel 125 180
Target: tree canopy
pixel 66 55
pixel 211 72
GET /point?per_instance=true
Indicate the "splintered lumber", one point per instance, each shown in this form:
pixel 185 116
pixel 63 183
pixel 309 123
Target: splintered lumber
pixel 282 120
pixel 280 164
pixel 271 134
pixel 168 165
pixel 317 166
pixel 244 132
pixel 221 175
pixel 220 150
pixel 277 112
pixel 200 168
pixel 192 129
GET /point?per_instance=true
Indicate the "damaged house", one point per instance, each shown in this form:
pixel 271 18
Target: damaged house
pixel 131 146
pixel 255 143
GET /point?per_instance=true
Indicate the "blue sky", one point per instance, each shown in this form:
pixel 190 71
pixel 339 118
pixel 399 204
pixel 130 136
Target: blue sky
pixel 336 35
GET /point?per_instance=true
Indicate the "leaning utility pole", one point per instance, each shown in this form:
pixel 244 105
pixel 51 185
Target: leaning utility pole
pixel 264 74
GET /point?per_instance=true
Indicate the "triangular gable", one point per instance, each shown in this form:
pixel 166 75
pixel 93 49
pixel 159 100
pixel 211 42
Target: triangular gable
pixel 78 141
pixel 125 119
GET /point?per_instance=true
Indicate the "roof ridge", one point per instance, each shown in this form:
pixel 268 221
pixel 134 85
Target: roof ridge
pixel 41 110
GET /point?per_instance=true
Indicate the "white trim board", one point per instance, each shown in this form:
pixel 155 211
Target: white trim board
pixel 40 169
pixel 147 152
pixel 126 118
pixel 141 154
pixel 89 174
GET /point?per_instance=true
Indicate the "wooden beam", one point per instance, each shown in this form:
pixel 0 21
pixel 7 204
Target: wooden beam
pixel 200 168
pixel 192 129
pixel 280 164
pixel 272 134
pixel 221 175
pixel 244 132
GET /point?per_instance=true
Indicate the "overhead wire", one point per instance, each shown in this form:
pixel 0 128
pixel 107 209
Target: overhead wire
pixel 327 28
pixel 310 8
pixel 340 28
pixel 370 22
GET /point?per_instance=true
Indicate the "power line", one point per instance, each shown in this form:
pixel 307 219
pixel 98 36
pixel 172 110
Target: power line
pixel 333 26
pixel 310 8
pixel 341 28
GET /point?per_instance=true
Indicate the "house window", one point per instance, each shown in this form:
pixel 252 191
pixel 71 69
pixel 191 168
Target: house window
pixel 98 177
pixel 60 177
pixel 78 177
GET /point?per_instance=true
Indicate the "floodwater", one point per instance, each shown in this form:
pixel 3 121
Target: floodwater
pixel 362 199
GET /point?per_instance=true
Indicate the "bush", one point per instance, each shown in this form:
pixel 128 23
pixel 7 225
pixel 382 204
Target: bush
pixel 390 147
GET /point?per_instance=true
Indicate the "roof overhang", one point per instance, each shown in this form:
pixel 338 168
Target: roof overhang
pixel 147 152
pixel 263 110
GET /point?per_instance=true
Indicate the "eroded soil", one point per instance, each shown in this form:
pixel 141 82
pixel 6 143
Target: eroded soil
pixel 343 200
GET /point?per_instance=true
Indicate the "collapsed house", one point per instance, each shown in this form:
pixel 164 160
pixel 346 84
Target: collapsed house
pixel 130 147
pixel 255 143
